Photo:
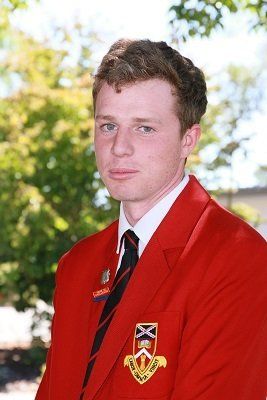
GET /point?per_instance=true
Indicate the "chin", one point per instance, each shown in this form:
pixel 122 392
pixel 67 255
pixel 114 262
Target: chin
pixel 118 192
pixel 120 196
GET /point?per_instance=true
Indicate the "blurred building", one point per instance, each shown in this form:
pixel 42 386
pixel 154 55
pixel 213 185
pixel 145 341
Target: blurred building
pixel 255 197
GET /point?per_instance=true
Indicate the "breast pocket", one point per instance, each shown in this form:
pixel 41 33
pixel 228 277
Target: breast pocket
pixel 147 365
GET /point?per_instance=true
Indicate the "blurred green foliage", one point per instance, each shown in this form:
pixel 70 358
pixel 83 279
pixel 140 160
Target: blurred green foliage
pixel 201 17
pixel 6 8
pixel 247 213
pixel 232 102
pixel 50 193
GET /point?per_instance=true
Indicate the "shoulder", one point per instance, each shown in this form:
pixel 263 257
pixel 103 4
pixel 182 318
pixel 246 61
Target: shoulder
pixel 228 252
pixel 231 227
pixel 230 243
pixel 226 247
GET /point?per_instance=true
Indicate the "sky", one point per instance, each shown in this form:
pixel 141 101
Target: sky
pixel 149 19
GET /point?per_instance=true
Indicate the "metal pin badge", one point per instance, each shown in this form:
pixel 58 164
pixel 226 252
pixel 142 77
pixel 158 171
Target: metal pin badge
pixel 105 276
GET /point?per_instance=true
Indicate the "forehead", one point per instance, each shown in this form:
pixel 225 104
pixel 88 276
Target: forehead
pixel 150 95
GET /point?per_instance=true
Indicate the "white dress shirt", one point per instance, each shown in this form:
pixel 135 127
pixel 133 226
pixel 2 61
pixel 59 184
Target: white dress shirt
pixel 147 225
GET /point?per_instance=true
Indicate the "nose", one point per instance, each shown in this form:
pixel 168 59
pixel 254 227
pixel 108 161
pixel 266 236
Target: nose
pixel 122 145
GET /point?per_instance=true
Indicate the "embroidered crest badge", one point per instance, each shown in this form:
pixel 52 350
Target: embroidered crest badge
pixel 144 363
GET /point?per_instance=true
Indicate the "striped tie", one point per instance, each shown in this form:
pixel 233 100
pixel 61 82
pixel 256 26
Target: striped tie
pixel 128 262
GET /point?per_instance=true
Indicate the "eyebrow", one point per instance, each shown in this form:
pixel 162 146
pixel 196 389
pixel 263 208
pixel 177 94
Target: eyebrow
pixel 136 119
pixel 105 117
pixel 141 120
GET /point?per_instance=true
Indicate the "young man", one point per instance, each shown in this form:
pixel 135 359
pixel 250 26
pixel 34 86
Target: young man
pixel 170 301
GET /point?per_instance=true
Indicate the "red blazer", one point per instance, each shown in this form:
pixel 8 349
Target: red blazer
pixel 192 324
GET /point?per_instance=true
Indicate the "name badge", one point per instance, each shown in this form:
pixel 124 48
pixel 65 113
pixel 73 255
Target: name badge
pixel 101 294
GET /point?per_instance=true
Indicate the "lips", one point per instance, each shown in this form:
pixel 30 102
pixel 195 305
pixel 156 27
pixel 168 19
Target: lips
pixel 122 170
pixel 122 173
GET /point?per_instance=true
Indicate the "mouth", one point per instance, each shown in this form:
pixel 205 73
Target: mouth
pixel 122 173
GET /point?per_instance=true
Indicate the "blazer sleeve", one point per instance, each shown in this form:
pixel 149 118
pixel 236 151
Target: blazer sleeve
pixel 44 387
pixel 223 353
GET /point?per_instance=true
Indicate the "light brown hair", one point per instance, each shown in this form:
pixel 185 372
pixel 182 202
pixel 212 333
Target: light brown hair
pixel 129 61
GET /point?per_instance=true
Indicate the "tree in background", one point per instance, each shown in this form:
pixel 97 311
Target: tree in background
pixel 202 17
pixel 51 195
pixel 239 96
pixel 233 102
pixel 225 139
pixel 6 8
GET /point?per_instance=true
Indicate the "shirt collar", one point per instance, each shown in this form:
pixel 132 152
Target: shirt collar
pixel 147 225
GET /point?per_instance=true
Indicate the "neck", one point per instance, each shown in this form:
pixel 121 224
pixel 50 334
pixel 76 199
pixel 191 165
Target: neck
pixel 135 210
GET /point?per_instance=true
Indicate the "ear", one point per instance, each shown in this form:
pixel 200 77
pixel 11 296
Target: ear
pixel 190 140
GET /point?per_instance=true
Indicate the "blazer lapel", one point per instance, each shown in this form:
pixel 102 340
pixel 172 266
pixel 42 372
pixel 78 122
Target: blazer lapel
pixel 177 227
pixel 96 307
pixel 141 288
pixel 159 257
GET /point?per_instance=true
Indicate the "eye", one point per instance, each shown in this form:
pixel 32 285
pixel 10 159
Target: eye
pixel 108 127
pixel 146 129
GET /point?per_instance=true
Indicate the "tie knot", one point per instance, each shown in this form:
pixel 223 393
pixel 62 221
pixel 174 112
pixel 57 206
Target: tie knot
pixel 130 240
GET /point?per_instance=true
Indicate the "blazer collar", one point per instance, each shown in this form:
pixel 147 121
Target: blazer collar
pixel 176 228
pixel 148 224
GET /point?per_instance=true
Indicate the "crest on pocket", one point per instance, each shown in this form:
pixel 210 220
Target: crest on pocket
pixel 144 362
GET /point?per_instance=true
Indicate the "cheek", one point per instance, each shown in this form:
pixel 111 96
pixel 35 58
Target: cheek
pixel 100 151
pixel 165 157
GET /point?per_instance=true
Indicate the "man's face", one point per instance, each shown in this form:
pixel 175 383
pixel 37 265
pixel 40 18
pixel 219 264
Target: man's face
pixel 139 151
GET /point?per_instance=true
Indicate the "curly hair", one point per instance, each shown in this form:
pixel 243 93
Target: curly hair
pixel 129 61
